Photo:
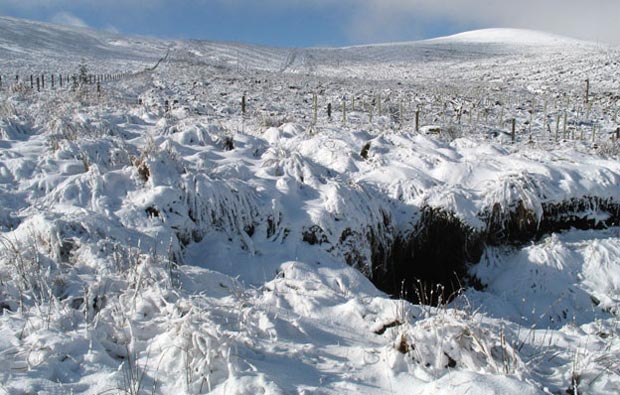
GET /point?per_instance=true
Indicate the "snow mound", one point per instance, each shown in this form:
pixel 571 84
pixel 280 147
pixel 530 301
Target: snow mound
pixel 509 36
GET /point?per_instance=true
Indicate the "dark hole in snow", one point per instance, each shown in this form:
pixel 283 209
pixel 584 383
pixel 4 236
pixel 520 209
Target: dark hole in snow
pixel 451 362
pixel 314 235
pixel 249 229
pixel 365 149
pixel 229 144
pixel 430 263
pixel 4 306
pixel 99 303
pixel 152 212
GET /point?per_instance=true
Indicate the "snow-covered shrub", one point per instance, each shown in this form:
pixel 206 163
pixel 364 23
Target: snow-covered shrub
pixel 454 340
pixel 7 109
pixel 20 88
pixel 609 149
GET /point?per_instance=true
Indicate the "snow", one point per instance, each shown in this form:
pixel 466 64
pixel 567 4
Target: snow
pixel 196 249
pixel 506 36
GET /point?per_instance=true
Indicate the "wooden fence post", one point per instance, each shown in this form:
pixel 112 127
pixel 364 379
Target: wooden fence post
pixel 38 84
pixel 564 127
pixel 514 127
pixel 42 81
pixel 315 103
pixel 587 91
pixel 31 82
pixel 417 120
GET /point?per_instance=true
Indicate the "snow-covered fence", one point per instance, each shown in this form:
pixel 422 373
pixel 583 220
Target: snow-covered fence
pixel 61 80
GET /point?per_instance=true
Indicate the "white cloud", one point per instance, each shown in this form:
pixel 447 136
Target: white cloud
pixel 588 19
pixel 67 18
pixel 378 20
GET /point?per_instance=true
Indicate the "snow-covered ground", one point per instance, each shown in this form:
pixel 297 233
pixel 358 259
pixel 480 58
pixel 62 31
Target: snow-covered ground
pixel 156 239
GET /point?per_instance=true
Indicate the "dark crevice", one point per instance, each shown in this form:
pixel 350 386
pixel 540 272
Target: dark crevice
pixel 430 263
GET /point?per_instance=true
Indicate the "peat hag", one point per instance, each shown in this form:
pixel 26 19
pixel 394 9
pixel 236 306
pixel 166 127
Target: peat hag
pixel 430 263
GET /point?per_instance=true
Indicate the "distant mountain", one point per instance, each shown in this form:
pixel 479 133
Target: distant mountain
pixel 33 45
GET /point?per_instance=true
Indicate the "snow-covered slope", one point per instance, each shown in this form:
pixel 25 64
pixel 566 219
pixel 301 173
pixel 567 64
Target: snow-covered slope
pixel 32 45
pixel 158 237
pixel 47 47
pixel 512 37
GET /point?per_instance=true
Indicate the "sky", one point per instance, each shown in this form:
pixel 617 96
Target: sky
pixel 307 23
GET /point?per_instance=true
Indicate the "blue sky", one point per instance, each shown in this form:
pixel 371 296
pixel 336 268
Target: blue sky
pixel 324 22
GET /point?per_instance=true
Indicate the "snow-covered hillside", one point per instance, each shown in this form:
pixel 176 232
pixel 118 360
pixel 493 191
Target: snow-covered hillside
pixel 159 236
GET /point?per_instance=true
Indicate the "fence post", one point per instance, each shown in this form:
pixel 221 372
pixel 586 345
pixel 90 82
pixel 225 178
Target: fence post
pixel 38 84
pixel 31 82
pixel 564 127
pixel 60 76
pixel 329 111
pixel 243 104
pixel 514 127
pixel 315 103
pixel 42 81
pixel 417 120
pixel 52 81
pixel 587 91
